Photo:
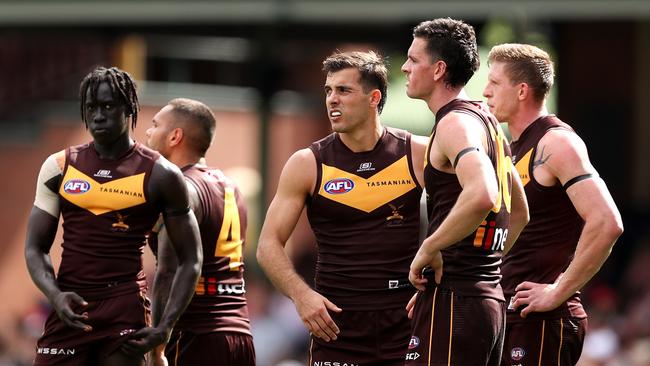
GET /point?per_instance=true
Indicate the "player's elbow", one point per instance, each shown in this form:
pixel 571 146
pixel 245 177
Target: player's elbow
pixel 262 253
pixel 609 225
pixel 485 199
pixel 613 227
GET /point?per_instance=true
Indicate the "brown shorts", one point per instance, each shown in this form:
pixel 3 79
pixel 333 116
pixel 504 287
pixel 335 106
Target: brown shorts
pixel 112 319
pixel 544 342
pixel 367 338
pixel 216 349
pixel 456 330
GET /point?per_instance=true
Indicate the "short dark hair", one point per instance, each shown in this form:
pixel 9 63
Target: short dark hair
pixel 454 42
pixel 122 85
pixel 372 68
pixel 528 64
pixel 199 119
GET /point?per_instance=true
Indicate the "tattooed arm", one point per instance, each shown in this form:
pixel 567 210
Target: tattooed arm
pixel 562 156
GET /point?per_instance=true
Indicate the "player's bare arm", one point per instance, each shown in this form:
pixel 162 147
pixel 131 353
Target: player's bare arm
pixel 519 216
pixel 166 266
pixel 455 134
pixel 41 229
pixel 418 151
pixel 297 181
pixel 566 161
pixel 169 191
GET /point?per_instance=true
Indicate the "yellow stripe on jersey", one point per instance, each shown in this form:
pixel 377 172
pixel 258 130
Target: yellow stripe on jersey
pixel 522 167
pixel 229 243
pixel 83 191
pixel 367 194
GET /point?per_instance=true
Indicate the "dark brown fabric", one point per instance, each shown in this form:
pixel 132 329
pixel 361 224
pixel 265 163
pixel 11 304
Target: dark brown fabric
pixel 112 319
pixel 367 338
pixel 452 329
pixel 476 258
pixel 552 342
pixel 102 250
pixel 366 232
pixel 219 303
pixel 546 245
pixel 214 349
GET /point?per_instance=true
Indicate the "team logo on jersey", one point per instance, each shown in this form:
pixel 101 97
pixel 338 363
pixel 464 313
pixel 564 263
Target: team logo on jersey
pixel 339 186
pixel 414 342
pixel 395 219
pixel 517 353
pixel 120 225
pixel 76 186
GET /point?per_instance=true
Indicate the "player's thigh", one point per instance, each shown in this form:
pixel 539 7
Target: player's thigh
pixel 217 348
pixel 551 341
pixel 119 358
pixel 367 338
pixel 457 330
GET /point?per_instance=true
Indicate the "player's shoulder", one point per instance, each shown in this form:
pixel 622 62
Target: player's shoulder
pixel 302 158
pixel 322 143
pixel 562 141
pixel 164 170
pixel 146 152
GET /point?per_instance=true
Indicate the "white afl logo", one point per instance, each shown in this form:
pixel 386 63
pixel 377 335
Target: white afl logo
pixel 76 186
pixel 339 185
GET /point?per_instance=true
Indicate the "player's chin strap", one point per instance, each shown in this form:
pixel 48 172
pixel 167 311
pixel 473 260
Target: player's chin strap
pixel 577 179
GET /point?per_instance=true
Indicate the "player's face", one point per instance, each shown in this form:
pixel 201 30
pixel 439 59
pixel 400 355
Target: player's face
pixel 105 115
pixel 502 95
pixel 348 106
pixel 419 70
pixel 158 133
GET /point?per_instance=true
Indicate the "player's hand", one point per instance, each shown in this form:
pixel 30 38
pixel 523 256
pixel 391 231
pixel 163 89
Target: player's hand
pixel 536 297
pixel 65 304
pixel 313 310
pixel 144 340
pixel 422 260
pixel 411 304
pixel 157 357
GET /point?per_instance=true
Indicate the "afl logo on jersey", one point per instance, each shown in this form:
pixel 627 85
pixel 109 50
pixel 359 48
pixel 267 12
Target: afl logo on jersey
pixel 339 185
pixel 76 186
pixel 517 353
pixel 414 342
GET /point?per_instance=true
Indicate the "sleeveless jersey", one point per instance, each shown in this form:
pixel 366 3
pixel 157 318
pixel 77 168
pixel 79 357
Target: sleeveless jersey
pixel 471 266
pixel 545 247
pixel 106 213
pixel 364 212
pixel 218 303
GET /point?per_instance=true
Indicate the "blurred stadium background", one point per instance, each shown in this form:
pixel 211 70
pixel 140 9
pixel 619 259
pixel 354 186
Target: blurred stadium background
pixel 257 64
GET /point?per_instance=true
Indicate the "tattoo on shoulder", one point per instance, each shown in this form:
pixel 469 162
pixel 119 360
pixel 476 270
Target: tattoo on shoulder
pixel 541 158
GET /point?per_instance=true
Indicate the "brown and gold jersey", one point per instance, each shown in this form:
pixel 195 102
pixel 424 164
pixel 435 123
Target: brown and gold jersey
pixel 218 303
pixel 545 247
pixel 364 212
pixel 106 212
pixel 472 264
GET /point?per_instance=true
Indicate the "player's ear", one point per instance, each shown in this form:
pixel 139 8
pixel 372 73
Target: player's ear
pixel 523 91
pixel 176 136
pixel 439 69
pixel 375 98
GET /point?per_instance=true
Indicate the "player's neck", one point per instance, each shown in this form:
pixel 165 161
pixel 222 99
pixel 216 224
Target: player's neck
pixel 182 158
pixel 441 97
pixel 364 139
pixel 115 149
pixel 524 118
